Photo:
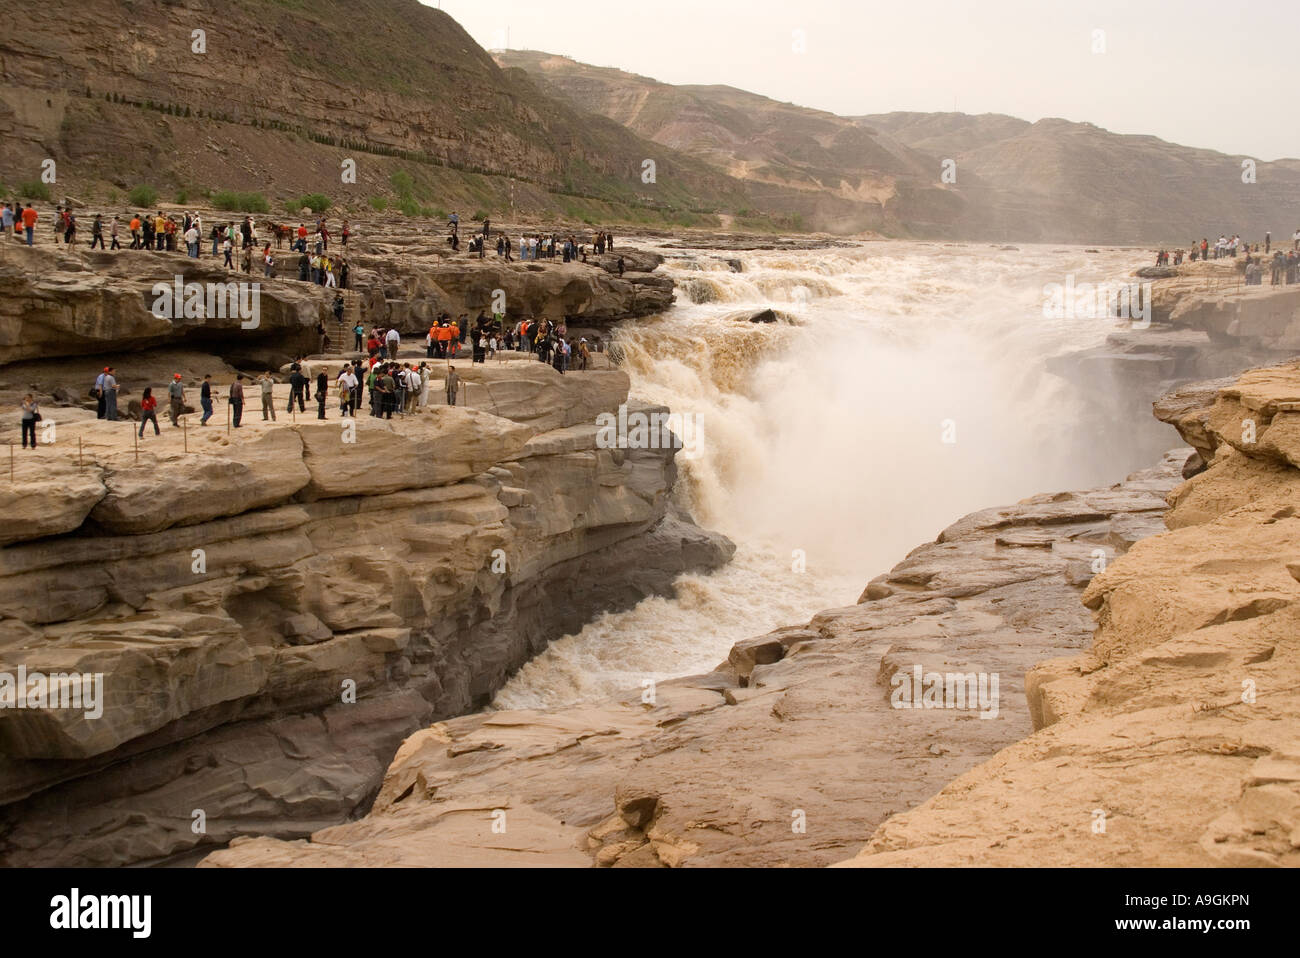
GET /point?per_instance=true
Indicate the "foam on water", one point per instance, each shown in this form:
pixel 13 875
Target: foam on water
pixel 825 439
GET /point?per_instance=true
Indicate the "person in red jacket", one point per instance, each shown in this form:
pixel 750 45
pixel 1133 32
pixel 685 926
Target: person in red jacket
pixel 148 411
pixel 29 223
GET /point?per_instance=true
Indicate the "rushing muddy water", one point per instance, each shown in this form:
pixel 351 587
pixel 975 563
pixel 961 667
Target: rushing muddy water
pixel 903 387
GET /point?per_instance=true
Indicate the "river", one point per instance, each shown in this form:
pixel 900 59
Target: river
pixel 903 387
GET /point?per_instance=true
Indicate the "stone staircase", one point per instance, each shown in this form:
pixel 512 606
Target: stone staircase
pixel 340 332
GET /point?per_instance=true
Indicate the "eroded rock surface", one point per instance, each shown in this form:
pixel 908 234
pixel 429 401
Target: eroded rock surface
pixel 274 610
pixel 791 751
pixel 1173 739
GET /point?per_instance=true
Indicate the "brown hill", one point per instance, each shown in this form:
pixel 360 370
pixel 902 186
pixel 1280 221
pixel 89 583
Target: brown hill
pixel 834 172
pixel 115 93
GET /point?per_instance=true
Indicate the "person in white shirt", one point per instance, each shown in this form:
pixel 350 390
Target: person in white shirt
pixel 392 341
pixel 412 393
pixel 347 384
pixel 192 242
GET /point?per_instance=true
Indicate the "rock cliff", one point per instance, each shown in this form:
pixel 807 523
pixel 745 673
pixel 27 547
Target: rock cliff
pixel 1204 324
pixel 1172 740
pixel 57 301
pixel 1165 737
pixel 275 609
pixel 792 751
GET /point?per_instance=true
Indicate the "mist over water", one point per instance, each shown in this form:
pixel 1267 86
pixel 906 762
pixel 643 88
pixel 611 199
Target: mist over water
pixel 904 388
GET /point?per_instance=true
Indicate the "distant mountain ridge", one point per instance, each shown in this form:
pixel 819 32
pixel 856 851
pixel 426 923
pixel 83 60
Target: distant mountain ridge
pixel 1050 181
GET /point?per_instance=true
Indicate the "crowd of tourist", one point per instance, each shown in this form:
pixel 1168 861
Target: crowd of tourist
pixel 185 232
pixel 1225 247
pixel 385 385
pixel 532 246
pixel 1280 264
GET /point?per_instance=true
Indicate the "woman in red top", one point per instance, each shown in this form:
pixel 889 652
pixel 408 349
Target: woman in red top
pixel 148 410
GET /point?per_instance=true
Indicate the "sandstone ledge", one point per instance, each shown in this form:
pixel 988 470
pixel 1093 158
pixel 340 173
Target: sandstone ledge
pixel 232 597
pixel 1176 730
pixel 796 729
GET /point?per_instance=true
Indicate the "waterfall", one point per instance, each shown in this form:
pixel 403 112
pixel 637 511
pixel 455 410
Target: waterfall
pixel 908 390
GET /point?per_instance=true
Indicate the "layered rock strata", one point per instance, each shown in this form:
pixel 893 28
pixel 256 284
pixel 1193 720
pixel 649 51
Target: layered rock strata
pixel 1172 740
pixel 274 610
pixel 57 301
pixel 791 751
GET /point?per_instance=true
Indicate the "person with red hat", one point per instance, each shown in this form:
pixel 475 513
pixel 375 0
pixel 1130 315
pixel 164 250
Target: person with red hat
pixel 108 393
pixel 176 397
pixel 99 393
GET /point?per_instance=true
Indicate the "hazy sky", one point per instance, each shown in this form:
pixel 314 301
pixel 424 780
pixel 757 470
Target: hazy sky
pixel 1194 72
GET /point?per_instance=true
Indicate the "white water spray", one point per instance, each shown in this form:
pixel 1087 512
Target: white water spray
pixel 908 390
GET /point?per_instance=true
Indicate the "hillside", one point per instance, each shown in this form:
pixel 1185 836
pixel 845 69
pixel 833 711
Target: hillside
pixel 113 91
pixel 837 174
pixel 1107 187
pixel 1050 181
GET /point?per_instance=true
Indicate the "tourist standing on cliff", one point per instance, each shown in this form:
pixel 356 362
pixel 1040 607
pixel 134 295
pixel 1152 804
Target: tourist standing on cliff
pixel 108 391
pixel 176 399
pixel 6 221
pixel 236 399
pixel 322 387
pixel 29 224
pixel 97 231
pixel 347 385
pixel 31 415
pixel 205 399
pixel 149 411
pixel 387 391
pixel 298 384
pixel 97 391
pixel 267 384
pixel 452 385
pixel 423 399
pixel 393 341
